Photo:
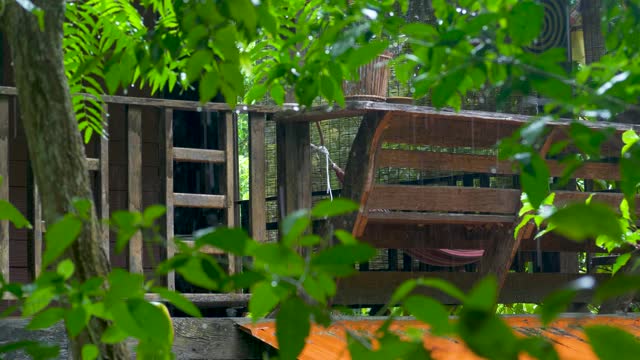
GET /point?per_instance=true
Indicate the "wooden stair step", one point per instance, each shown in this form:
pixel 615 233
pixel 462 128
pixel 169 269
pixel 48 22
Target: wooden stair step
pixel 204 201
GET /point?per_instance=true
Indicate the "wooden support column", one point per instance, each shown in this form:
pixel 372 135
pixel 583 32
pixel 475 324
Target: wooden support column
pixel 235 263
pixel 257 174
pixel 104 184
pixel 34 245
pixel 4 186
pixel 294 167
pixel 166 136
pixel 134 152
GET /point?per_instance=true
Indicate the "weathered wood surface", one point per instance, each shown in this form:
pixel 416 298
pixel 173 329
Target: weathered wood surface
pixel 205 249
pixel 371 288
pixel 4 184
pixel 229 188
pixel 294 167
pixel 134 175
pixel 104 184
pixel 257 172
pixel 166 171
pixel 205 338
pixel 435 161
pixel 199 155
pixel 422 218
pixel 203 201
pixel 460 236
pixel 93 164
pixel 205 300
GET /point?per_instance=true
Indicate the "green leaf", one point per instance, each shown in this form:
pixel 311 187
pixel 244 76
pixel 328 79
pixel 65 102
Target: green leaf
pixel 209 86
pixel 127 224
pixel 584 221
pixel 124 285
pixel 429 311
pixel 46 318
pixel 344 254
pixel 151 214
pixel 621 261
pixel 292 328
pixel 38 300
pixel 294 225
pixel 535 179
pixel 90 352
pixel 345 237
pixel 610 343
pixel 59 237
pixel 197 62
pixel 230 240
pixel 444 286
pixel 366 53
pixel 335 207
pixel 554 304
pixel 256 93
pixel 76 319
pixel 446 88
pixel 277 93
pixel 66 268
pixel 484 294
pixel 144 321
pixel 618 285
pixel 194 272
pixel 178 300
pixel 9 212
pixel 629 138
pixel 525 22
pixel 263 299
pixel 538 347
pixel 113 335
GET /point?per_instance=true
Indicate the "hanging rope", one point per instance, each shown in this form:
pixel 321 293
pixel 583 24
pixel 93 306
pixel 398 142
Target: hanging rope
pixel 323 150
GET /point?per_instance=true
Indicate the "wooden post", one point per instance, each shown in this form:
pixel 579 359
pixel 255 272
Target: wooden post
pixel 34 245
pixel 104 184
pixel 230 183
pixel 257 163
pixel 294 167
pixel 4 185
pixel 134 149
pixel 167 172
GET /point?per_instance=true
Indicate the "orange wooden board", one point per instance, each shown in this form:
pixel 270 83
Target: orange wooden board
pixel 565 334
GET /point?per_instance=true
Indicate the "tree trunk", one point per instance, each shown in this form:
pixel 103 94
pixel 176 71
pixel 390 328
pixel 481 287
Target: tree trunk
pixel 55 145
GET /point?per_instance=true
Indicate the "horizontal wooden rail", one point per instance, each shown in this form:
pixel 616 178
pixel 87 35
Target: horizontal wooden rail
pixel 93 164
pixel 199 201
pixel 403 217
pixel 466 199
pixel 205 249
pixel 199 155
pixel 437 161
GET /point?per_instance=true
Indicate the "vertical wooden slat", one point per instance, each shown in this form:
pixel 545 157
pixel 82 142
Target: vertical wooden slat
pixel 37 232
pixel 104 184
pixel 230 183
pixel 134 149
pixel 4 186
pixel 167 136
pixel 257 175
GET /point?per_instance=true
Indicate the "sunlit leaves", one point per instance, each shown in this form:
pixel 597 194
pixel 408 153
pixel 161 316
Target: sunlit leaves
pixel 59 237
pixel 611 343
pixel 292 328
pixel 582 221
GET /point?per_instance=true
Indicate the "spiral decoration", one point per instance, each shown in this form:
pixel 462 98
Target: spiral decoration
pixel 554 28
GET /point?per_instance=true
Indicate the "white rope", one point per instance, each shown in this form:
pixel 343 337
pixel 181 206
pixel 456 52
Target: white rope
pixel 323 150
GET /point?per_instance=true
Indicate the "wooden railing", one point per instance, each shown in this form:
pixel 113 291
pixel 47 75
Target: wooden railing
pixel 169 154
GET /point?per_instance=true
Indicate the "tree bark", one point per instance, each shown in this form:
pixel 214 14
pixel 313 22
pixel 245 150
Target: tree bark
pixel 55 145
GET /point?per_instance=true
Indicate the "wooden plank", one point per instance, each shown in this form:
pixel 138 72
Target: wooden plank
pixel 93 164
pixel 166 136
pixel 211 300
pixel 444 198
pixel 257 177
pixel 373 288
pixel 104 184
pixel 460 236
pixel 134 175
pixel 203 338
pixel 199 155
pixel 203 201
pixel 4 185
pixel 438 161
pixel 38 229
pixel 235 264
pixel 416 218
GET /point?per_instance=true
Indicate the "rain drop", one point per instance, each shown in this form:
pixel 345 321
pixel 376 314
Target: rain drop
pixel 199 109
pixel 238 111
pixel 255 2
pixel 245 108
pixel 295 72
pixel 274 283
pixel 310 38
pixel 371 14
pixel 296 108
pixel 494 170
pixel 391 13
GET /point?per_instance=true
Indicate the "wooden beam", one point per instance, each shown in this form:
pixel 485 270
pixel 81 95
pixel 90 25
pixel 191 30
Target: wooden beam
pixel 199 155
pixel 257 176
pixel 421 218
pixel 37 232
pixel 438 161
pixel 294 167
pixel 373 288
pixel 93 164
pixel 166 136
pixel 444 198
pixel 205 249
pixel 202 201
pixel 204 300
pixel 104 184
pixel 134 150
pixel 5 118
pixel 458 236
pixel 235 264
